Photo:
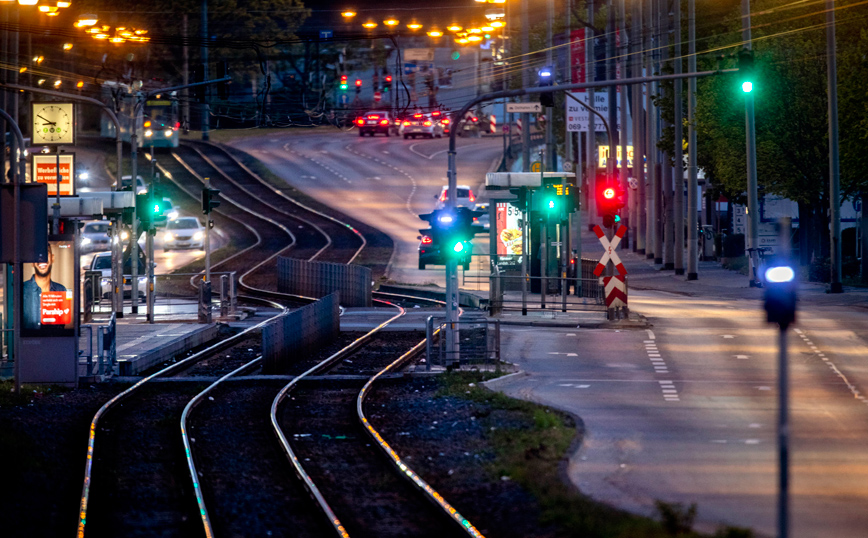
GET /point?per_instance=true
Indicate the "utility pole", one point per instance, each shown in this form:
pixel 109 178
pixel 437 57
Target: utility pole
pixel 834 170
pixel 750 135
pixel 654 23
pixel 679 152
pixel 550 157
pixel 692 192
pixel 622 104
pixel 612 90
pixel 591 70
pixel 639 139
pixel 206 112
pixel 652 244
pixel 666 168
pixel 525 82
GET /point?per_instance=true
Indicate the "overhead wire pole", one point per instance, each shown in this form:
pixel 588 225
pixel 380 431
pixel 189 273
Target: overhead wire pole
pixel 835 285
pixel 750 136
pixel 549 163
pixel 651 192
pixel 654 24
pixel 678 187
pixel 525 82
pixel 692 186
pixel 203 33
pixel 622 105
pixel 638 129
pixel 666 174
pixel 591 76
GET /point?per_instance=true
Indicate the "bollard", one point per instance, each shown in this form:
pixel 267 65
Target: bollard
pixel 204 301
pixel 224 295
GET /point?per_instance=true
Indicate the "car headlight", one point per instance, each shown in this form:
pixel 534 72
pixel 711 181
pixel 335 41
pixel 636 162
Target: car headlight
pixel 125 235
pixel 142 279
pixel 83 175
pixel 198 235
pixel 85 241
pixel 104 281
pixel 168 236
pixel 148 132
pixel 168 133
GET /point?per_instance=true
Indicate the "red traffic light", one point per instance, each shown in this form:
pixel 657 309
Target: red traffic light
pixel 609 193
pixel 343 78
pixel 358 83
pixel 388 78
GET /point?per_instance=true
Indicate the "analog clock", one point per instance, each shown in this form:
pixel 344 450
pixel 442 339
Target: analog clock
pixel 53 123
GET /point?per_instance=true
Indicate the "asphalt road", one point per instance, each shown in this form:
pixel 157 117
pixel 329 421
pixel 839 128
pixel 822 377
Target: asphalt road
pixel 384 182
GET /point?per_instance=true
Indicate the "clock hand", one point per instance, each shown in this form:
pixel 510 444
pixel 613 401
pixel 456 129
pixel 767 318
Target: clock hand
pixel 49 122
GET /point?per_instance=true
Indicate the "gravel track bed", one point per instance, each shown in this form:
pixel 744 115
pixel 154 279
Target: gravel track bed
pixel 227 360
pixel 444 440
pixel 383 348
pixel 140 485
pixel 307 362
pixel 249 485
pixel 361 486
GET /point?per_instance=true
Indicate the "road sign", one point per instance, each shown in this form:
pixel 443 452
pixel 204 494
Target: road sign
pixel 419 55
pixel 568 166
pixel 344 99
pixel 609 250
pixel 536 167
pixel 616 291
pixel 326 34
pixel 377 96
pixel 533 108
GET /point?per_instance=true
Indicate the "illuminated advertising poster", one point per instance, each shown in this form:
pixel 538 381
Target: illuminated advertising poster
pixel 45 171
pixel 508 222
pixel 47 292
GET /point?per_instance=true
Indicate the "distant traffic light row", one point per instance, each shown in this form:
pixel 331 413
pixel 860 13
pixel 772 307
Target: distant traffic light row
pixel 387 83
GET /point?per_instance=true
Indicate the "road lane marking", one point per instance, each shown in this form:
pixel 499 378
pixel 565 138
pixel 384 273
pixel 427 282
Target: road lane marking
pixel 853 389
pixel 728 336
pixel 650 334
pixel 742 356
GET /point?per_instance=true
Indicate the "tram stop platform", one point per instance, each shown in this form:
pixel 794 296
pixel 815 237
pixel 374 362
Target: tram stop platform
pixel 140 345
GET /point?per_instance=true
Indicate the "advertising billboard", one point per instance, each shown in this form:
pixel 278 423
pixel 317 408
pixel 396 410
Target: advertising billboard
pixel 45 171
pixel 47 292
pixel 508 222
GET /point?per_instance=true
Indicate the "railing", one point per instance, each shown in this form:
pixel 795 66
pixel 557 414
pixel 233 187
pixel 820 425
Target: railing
pixel 569 294
pixel 478 343
pixel 106 348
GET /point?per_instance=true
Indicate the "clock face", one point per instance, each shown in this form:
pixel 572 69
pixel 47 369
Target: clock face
pixel 52 123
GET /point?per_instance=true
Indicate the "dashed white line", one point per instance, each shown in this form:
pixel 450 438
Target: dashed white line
pixel 853 389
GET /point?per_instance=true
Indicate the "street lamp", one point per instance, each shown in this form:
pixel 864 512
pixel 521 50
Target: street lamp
pixel 348 14
pixel 435 33
pixel 454 28
pixel 369 25
pixel 414 25
pixel 391 22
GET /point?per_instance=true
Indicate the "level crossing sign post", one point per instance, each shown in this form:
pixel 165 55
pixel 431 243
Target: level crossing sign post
pixel 615 286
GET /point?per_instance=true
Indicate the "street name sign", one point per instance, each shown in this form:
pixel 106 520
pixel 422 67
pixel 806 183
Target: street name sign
pixel 532 108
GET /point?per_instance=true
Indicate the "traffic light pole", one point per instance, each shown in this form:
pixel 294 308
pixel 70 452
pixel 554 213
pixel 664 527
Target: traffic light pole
pixel 208 239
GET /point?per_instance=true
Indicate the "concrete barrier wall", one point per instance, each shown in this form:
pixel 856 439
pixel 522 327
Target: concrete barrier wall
pixel 318 279
pixel 291 337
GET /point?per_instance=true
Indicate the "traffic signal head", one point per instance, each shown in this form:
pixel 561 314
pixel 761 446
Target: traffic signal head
pixel 452 230
pixel 147 210
pixel 610 199
pixel 546 78
pixel 780 294
pixel 344 84
pixel 210 200
pixel 358 83
pixel 746 70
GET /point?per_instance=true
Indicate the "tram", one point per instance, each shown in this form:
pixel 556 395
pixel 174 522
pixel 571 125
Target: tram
pixel 157 123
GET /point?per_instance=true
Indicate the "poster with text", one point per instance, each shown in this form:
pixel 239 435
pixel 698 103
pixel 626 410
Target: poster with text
pixel 47 292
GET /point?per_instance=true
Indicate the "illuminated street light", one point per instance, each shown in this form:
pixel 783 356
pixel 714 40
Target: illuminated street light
pixel 462 41
pixel 487 28
pixel 101 36
pixel 414 25
pixel 475 38
pixel 86 20
pixel 38 59
pixel 454 28
pixel 369 25
pixel 498 24
pixel 28 2
pixel 63 4
pixel 391 22
pixel 348 14
pixel 435 33
pixel 495 13
pixel 57 83
pixel 475 30
pixel 67 46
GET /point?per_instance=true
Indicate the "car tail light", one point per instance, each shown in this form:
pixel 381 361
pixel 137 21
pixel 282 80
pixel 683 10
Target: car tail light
pixel 435 113
pixel 475 219
pixel 443 196
pixel 474 119
pixel 445 121
pixel 373 117
pixel 360 121
pixel 426 240
pixel 417 115
pixel 406 123
pixel 427 123
pixel 384 122
pixel 472 198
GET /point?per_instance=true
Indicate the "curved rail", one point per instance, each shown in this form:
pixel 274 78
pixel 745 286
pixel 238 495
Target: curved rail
pixel 404 469
pixel 85 493
pixel 297 203
pixel 284 442
pixel 282 212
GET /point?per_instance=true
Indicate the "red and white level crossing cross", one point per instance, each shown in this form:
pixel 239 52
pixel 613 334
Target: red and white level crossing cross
pixel 616 291
pixel 609 250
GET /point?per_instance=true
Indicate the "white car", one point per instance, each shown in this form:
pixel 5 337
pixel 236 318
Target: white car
pixel 95 236
pixel 463 197
pixel 421 125
pixel 482 220
pixel 184 232
pixel 141 186
pixel 102 262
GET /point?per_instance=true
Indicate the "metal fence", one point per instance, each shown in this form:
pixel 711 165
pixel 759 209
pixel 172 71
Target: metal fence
pixel 573 293
pixel 478 342
pixel 102 360
pixel 292 336
pixel 318 279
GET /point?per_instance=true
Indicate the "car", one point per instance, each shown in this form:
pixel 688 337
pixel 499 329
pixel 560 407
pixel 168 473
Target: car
pixel 463 196
pixel 430 252
pixel 102 262
pixel 444 120
pixel 421 125
pixel 184 232
pixel 95 236
pixel 482 220
pixel 141 186
pixel 170 213
pixel 469 126
pixel 374 122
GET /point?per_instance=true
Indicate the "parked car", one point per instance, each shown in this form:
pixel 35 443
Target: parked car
pixel 374 122
pixel 463 196
pixel 95 236
pixel 184 232
pixel 102 262
pixel 421 125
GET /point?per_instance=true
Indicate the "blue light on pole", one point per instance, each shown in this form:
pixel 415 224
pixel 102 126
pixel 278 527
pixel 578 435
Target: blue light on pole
pixel 780 274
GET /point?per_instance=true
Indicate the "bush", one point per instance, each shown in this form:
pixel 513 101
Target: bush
pixel 820 270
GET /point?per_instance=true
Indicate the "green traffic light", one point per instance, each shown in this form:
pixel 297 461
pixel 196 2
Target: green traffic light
pixel 157 208
pixel 747 86
pixel 459 246
pixel 343 86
